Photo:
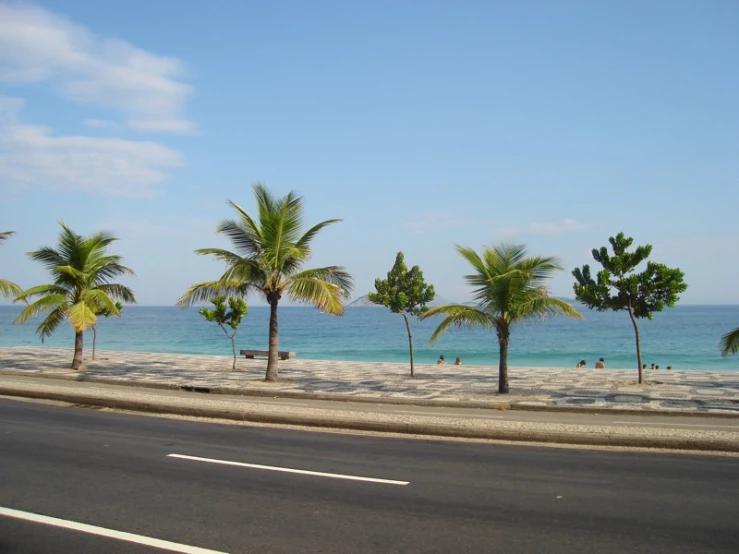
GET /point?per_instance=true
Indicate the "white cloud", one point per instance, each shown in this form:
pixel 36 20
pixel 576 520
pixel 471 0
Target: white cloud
pixel 97 123
pixel 33 157
pixel 428 222
pixel 37 45
pixel 546 228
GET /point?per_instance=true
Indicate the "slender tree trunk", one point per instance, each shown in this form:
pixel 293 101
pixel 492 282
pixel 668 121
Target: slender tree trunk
pixel 410 340
pixel 77 360
pixel 94 338
pixel 638 347
pixel 233 347
pixel 233 343
pixel 503 362
pixel 272 360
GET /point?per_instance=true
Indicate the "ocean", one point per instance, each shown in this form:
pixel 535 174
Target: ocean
pixel 684 337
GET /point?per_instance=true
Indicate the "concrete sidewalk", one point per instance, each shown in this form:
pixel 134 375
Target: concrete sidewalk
pixel 675 391
pixel 712 435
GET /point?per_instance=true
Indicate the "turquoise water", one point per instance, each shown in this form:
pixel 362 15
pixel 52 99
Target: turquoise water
pixel 685 337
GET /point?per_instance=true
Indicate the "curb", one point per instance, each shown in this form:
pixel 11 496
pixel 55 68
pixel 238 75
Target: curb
pixel 439 430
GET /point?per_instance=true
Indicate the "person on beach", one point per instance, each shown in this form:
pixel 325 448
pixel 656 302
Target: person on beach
pixel 458 361
pixel 440 361
pixel 600 364
pixel 652 367
pixel 581 364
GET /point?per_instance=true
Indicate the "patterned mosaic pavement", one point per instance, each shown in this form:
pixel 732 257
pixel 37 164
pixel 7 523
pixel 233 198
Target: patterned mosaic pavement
pixel 684 391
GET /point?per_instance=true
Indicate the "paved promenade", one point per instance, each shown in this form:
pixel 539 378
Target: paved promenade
pixel 713 392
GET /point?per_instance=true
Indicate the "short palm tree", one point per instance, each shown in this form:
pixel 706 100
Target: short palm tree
pixel 508 288
pixel 730 343
pixel 268 256
pixel 8 289
pixel 82 270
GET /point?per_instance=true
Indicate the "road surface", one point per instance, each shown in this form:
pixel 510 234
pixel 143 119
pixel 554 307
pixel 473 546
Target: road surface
pixel 207 487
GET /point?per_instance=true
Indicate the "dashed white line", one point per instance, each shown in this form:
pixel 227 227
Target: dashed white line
pixel 290 470
pixel 678 425
pixel 103 532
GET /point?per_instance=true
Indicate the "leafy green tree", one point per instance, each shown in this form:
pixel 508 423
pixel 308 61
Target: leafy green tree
pixel 404 292
pixel 106 314
pixel 730 343
pixel 231 317
pixel 8 289
pixel 81 270
pixel 617 287
pixel 508 287
pixel 268 256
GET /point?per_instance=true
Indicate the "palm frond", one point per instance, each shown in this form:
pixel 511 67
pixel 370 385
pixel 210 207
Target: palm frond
pixel 10 290
pixel 460 315
pixel 200 293
pixel 43 289
pixel 730 343
pixel 5 235
pixel 333 274
pixel 47 256
pixel 544 306
pixel 118 292
pixel 47 327
pixel 99 301
pixel 81 315
pixel 326 288
pixel 46 303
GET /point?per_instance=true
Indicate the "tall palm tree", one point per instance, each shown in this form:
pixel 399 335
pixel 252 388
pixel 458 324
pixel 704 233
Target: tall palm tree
pixel 8 289
pixel 508 288
pixel 82 270
pixel 268 256
pixel 730 343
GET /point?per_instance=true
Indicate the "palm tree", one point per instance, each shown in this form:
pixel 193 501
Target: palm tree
pixel 268 256
pixel 730 343
pixel 508 288
pixel 8 289
pixel 82 270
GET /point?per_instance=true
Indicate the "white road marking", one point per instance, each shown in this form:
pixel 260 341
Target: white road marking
pixel 103 532
pixel 290 470
pixel 717 427
pixel 447 414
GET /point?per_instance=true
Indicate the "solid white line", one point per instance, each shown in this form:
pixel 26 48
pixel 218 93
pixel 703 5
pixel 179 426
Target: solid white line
pixel 717 427
pixel 290 470
pixel 103 532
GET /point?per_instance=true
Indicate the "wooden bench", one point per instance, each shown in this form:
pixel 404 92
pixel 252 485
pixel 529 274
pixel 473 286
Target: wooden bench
pixel 281 354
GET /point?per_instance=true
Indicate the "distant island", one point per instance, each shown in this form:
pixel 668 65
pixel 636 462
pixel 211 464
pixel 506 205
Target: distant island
pixel 364 302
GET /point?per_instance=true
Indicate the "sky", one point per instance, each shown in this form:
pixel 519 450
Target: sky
pixel 421 124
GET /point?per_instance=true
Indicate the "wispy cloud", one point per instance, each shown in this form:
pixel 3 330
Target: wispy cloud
pixel 546 228
pixel 429 222
pixel 97 123
pixel 39 46
pixel 32 157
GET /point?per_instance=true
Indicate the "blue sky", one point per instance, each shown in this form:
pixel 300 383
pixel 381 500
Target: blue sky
pixel 421 124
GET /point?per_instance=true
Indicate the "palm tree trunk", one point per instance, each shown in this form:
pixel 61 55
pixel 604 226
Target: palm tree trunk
pixel 94 338
pixel 410 340
pixel 503 362
pixel 272 359
pixel 638 347
pixel 77 360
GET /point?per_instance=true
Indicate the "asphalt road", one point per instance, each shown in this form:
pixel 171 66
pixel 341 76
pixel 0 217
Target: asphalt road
pixel 113 471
